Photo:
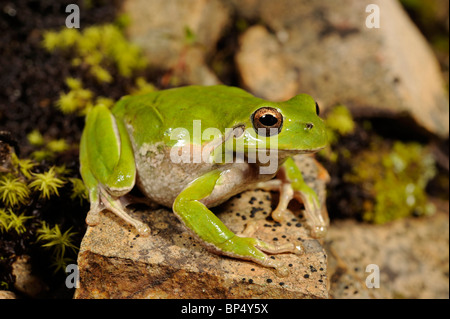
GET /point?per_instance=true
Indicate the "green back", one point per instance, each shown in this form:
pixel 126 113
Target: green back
pixel 158 113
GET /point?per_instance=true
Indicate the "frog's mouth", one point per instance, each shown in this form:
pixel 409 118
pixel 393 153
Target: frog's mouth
pixel 280 154
pixel 295 152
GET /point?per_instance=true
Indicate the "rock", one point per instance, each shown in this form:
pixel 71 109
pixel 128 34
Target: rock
pixel 412 256
pixel 258 68
pixel 25 281
pixel 5 294
pixel 115 262
pixel 163 28
pixel 324 48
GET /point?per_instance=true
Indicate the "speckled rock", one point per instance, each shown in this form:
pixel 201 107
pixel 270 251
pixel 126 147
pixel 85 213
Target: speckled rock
pixel 324 48
pixel 115 262
pixel 411 254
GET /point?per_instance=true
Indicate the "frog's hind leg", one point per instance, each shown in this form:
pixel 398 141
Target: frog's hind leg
pixel 214 234
pixel 107 166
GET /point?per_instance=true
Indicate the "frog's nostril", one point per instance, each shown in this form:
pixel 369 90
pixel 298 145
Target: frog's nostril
pixel 309 126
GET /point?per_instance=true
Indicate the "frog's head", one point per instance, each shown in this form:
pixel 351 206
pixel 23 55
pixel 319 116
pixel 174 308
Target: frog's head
pixel 292 127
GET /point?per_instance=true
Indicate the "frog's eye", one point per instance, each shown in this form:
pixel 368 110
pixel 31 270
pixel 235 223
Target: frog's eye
pixel 317 109
pixel 268 121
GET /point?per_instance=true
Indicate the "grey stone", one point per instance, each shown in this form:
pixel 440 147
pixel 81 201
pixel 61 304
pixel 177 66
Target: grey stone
pixel 160 28
pixel 324 48
pixel 411 254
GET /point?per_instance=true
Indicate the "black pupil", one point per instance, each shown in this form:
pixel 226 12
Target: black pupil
pixel 268 120
pixel 317 109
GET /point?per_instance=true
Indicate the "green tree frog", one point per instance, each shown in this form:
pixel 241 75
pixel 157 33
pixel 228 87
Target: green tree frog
pixel 155 141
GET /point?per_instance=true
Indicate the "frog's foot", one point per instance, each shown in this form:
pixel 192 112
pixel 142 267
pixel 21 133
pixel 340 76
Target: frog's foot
pixel 273 249
pixel 316 216
pixel 116 206
pixel 286 191
pixel 254 250
pixel 93 216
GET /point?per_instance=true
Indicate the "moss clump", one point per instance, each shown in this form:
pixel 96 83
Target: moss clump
pixel 46 150
pixel 46 183
pixel 27 185
pixel 142 87
pixel 339 122
pixel 13 190
pixel 79 100
pixel 79 191
pixel 76 100
pixel 98 47
pixel 395 177
pixel 11 221
pixel 59 242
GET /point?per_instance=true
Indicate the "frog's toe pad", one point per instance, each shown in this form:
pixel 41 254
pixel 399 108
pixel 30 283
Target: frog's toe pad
pixel 93 217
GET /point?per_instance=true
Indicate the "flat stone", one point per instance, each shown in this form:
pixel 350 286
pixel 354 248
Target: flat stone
pixel 411 254
pixel 115 262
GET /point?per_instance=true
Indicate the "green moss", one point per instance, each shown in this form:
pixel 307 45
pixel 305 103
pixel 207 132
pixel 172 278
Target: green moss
pixel 35 138
pixel 46 183
pixel 24 166
pixel 142 87
pixel 98 47
pixel 58 146
pixel 77 100
pixel 395 177
pixel 59 242
pixel 13 190
pixel 79 190
pixel 339 122
pixel 9 220
pixel 23 188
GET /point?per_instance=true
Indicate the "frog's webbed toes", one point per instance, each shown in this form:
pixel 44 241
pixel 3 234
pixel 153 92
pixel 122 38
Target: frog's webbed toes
pixel 274 249
pixel 254 249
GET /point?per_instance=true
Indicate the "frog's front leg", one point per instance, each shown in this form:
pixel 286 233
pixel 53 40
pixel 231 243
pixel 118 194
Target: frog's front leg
pixel 290 184
pixel 209 228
